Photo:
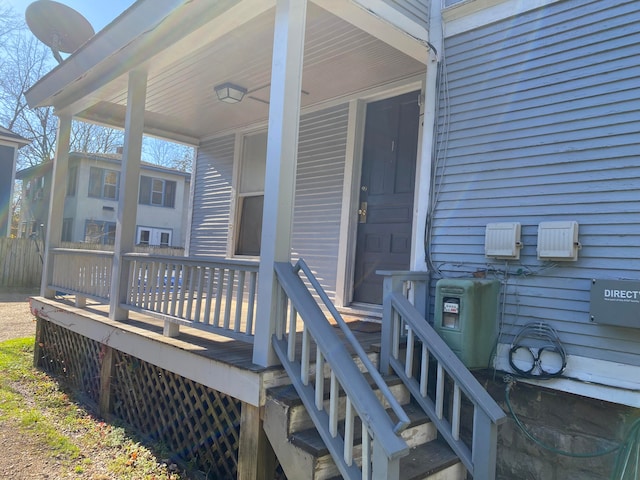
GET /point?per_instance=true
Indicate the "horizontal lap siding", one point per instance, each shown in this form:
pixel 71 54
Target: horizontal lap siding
pixel 212 197
pixel 544 125
pixel 416 10
pixel 318 203
pixel 318 200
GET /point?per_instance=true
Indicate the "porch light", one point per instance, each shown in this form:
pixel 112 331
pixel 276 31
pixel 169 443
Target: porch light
pixel 230 93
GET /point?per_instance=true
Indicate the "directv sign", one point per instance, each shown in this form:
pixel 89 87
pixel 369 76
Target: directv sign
pixel 616 302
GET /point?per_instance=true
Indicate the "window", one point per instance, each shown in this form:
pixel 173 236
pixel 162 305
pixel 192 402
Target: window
pixel 67 226
pixel 251 194
pixel 103 233
pixel 72 180
pixel 153 236
pixel 157 191
pixel 35 189
pixel 104 183
pixel 145 237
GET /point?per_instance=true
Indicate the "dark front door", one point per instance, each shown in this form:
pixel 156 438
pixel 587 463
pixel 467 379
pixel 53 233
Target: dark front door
pixel 386 193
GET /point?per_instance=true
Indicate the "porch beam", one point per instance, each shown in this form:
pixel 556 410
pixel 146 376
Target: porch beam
pixel 56 203
pixel 280 176
pixel 411 44
pixel 128 195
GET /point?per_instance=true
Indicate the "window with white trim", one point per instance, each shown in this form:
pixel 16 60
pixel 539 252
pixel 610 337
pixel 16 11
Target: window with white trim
pixel 157 191
pixel 250 199
pixel 96 231
pixel 104 183
pixel 154 236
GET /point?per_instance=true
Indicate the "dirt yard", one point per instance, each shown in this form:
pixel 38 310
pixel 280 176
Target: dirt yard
pixel 16 320
pixel 25 454
pixel 21 457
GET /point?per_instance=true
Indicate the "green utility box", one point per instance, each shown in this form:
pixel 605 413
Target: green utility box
pixel 465 317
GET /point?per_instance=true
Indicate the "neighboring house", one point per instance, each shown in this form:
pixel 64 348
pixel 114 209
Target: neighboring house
pixel 468 140
pixel 91 202
pixel 9 145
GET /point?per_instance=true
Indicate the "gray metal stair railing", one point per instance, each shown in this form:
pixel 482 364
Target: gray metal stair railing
pixel 402 322
pixel 382 445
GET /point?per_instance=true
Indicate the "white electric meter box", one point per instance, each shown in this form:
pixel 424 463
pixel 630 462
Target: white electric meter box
pixel 558 241
pixel 502 241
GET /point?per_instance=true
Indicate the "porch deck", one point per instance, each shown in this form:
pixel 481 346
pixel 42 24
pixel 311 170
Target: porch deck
pixel 215 361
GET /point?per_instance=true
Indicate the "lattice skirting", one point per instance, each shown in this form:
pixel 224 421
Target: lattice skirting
pixel 199 425
pixel 73 357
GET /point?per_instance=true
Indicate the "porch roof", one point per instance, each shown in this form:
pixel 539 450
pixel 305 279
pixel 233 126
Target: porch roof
pixel 188 47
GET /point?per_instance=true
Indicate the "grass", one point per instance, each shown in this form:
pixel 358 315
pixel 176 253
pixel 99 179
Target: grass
pixel 80 442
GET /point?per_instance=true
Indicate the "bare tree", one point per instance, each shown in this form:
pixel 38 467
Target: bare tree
pixel 9 20
pixel 168 154
pixel 24 61
pixel 92 138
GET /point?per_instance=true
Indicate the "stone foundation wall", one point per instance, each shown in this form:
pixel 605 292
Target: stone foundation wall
pixel 564 421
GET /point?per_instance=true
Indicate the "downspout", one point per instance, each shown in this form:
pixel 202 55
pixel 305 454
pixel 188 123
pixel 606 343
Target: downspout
pixel 427 157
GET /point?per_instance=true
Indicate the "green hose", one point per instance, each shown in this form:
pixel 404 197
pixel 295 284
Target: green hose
pixel 540 443
pixel 627 463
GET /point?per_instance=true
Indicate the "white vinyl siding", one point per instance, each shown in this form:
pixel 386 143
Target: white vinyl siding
pixel 213 180
pixel 318 204
pixel 318 201
pixel 543 126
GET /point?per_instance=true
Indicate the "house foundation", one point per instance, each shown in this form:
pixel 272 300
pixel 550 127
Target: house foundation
pixel 581 428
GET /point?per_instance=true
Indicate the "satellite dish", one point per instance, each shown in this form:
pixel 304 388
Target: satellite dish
pixel 58 26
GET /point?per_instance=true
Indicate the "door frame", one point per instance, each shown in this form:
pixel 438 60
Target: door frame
pixel 351 189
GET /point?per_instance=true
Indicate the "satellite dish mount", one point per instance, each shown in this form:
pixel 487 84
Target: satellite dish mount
pixel 58 26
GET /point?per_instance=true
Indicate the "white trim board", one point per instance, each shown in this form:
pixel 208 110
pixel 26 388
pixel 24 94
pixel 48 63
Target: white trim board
pixel 588 377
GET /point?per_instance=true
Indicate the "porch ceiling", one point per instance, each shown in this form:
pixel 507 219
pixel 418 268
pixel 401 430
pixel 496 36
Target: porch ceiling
pixel 339 60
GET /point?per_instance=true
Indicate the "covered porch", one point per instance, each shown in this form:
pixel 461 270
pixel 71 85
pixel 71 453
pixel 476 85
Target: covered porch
pixel 154 71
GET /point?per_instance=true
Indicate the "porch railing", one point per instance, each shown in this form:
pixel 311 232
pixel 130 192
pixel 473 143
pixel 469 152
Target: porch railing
pixel 425 354
pixel 382 446
pixel 214 295
pixel 85 273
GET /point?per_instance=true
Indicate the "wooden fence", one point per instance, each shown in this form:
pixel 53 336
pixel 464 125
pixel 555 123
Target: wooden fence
pixel 21 264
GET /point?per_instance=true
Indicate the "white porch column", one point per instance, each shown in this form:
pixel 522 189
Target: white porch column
pixel 56 204
pixel 423 174
pixel 280 176
pixel 128 195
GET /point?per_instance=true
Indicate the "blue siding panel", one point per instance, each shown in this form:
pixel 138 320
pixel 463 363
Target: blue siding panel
pixel 416 10
pixel 539 121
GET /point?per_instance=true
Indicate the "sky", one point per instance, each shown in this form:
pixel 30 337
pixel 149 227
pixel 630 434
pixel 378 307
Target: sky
pixel 98 12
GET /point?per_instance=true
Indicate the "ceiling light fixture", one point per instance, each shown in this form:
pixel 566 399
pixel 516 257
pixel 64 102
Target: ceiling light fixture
pixel 230 93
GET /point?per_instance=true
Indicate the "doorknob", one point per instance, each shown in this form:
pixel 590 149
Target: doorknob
pixel 362 212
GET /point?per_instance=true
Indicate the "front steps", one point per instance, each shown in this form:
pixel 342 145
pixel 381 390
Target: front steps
pixel 303 455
